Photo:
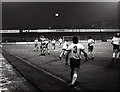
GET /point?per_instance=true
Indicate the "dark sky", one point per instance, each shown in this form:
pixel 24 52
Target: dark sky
pixel 119 14
pixel 71 14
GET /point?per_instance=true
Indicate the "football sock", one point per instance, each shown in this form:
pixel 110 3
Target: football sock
pixel 113 55
pixel 118 55
pixel 67 58
pixel 74 78
pixel 61 54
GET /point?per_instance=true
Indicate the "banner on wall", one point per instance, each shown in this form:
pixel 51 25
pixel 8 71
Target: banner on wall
pixel 60 30
pixel 9 31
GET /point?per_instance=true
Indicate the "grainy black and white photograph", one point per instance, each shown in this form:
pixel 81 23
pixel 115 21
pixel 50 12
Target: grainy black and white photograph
pixel 59 45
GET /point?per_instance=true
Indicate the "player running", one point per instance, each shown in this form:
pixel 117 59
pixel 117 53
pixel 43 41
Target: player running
pixel 42 45
pixel 74 51
pixel 60 41
pixel 91 43
pixel 47 41
pixel 53 43
pixel 64 51
pixel 116 48
pixel 36 45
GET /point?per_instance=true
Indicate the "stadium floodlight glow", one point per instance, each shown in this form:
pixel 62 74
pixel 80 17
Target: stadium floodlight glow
pixel 56 14
pixel 49 27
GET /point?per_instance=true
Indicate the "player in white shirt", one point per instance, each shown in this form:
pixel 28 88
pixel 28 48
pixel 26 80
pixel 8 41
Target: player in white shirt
pixel 74 51
pixel 42 45
pixel 36 45
pixel 116 48
pixel 53 43
pixel 91 43
pixel 64 51
pixel 47 41
pixel 60 41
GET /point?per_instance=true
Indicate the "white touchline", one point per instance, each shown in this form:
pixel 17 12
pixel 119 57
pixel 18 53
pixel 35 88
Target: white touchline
pixel 43 70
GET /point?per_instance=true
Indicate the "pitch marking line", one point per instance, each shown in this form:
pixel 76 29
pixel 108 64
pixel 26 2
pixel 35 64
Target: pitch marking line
pixel 44 71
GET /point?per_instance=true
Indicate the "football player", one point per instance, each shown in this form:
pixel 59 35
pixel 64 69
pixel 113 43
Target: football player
pixel 42 45
pixel 116 48
pixel 74 52
pixel 47 41
pixel 60 41
pixel 64 51
pixel 91 43
pixel 53 43
pixel 36 45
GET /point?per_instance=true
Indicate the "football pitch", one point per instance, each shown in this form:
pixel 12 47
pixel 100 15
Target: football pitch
pixel 93 74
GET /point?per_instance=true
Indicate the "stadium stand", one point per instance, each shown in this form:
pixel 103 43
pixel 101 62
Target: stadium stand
pixel 30 36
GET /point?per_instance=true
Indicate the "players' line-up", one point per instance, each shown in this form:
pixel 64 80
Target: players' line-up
pixel 44 44
pixel 45 41
pixel 73 53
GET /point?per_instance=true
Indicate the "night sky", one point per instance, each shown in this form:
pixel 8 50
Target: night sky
pixel 36 15
pixel 119 14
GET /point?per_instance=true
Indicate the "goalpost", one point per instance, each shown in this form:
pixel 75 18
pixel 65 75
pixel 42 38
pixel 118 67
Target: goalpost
pixel 69 38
